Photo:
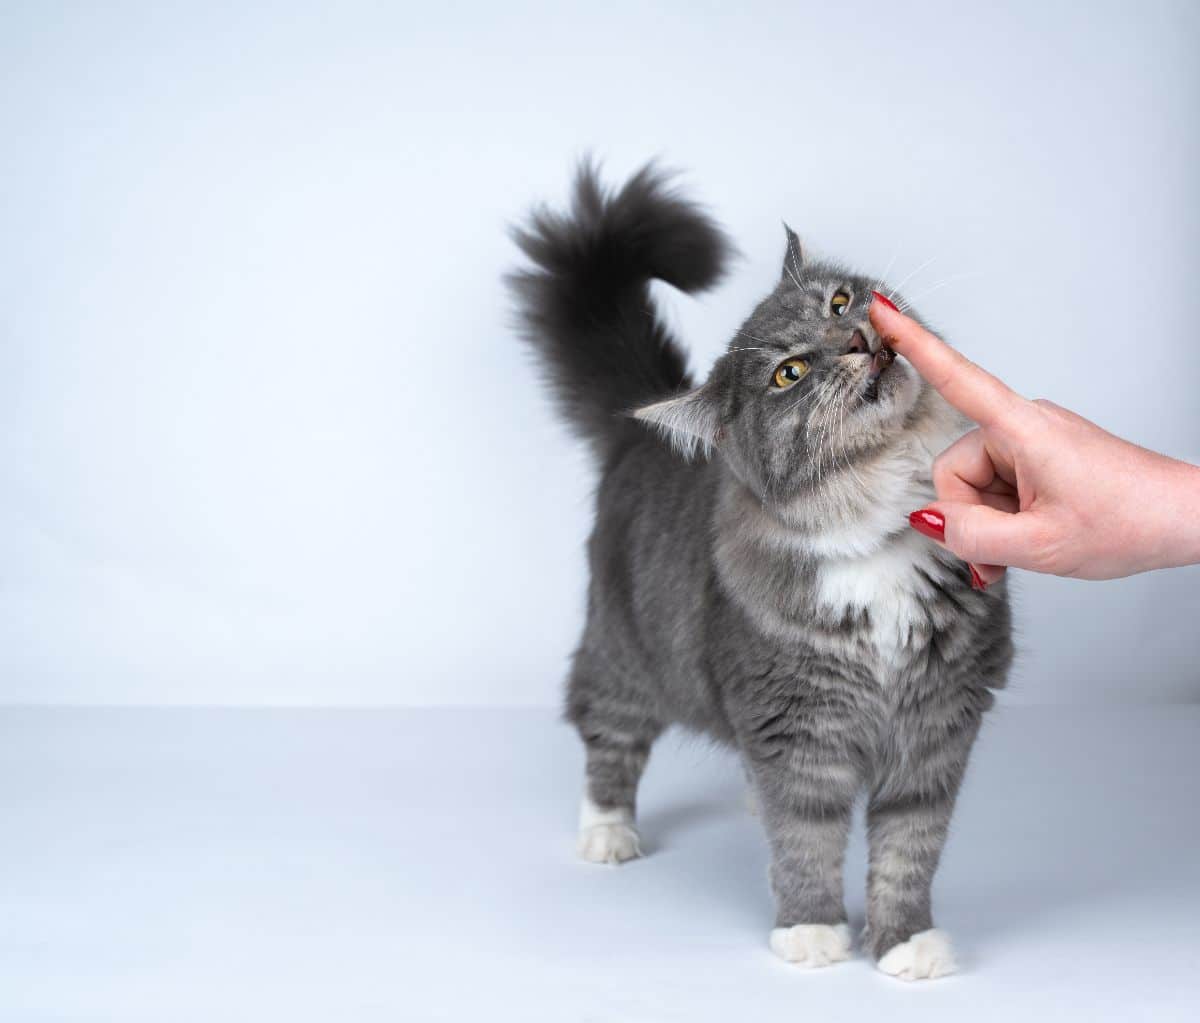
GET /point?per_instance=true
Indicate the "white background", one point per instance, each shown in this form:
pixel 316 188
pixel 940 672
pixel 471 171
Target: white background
pixel 266 435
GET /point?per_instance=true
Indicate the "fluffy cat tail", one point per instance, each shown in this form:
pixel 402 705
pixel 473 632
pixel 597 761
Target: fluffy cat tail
pixel 585 304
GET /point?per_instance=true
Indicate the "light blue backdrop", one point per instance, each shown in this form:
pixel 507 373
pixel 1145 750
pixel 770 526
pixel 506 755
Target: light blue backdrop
pixel 265 435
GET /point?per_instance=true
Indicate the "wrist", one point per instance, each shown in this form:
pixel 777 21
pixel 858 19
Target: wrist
pixel 1175 530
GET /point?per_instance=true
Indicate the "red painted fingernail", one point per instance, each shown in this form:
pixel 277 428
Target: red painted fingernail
pixel 977 582
pixel 929 522
pixel 884 300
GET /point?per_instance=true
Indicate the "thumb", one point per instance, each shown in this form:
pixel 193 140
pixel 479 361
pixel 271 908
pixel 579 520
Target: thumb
pixel 984 535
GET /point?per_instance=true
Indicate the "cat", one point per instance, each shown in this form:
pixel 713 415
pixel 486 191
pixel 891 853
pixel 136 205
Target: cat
pixel 753 574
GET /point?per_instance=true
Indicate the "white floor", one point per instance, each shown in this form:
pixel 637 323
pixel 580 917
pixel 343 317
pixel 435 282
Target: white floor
pixel 177 865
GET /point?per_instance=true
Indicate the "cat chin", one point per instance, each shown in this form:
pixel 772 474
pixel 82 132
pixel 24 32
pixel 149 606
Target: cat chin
pixel 887 412
pixel 901 384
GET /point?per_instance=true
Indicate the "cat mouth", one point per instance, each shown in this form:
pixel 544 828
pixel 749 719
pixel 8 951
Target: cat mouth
pixel 881 362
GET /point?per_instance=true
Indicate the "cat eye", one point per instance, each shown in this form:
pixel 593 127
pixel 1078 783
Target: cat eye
pixel 840 303
pixel 789 372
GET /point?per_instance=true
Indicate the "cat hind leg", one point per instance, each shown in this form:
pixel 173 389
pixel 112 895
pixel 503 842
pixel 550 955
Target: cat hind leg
pixel 617 735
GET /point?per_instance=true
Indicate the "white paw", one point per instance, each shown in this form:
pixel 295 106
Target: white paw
pixel 812 944
pixel 606 836
pixel 608 843
pixel 923 957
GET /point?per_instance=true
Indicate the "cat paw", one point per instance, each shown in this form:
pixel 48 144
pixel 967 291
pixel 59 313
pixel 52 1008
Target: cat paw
pixel 924 956
pixel 608 843
pixel 812 945
pixel 606 834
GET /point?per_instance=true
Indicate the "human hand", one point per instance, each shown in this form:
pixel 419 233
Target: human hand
pixel 1036 486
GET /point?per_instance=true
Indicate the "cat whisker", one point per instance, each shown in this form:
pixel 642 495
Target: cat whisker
pixel 886 270
pixel 747 334
pixel 908 303
pixel 817 448
pixel 820 418
pixel 804 397
pixel 896 290
pixel 846 455
pixel 837 438
pixel 837 407
pixel 795 406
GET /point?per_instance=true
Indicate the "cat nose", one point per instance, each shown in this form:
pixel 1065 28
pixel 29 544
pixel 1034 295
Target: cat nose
pixel 864 341
pixel 858 344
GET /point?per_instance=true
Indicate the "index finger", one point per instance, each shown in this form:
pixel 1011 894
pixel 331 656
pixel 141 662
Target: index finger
pixel 971 390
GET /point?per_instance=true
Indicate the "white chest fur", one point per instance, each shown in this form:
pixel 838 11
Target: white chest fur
pixel 890 584
pixel 866 563
pixel 852 535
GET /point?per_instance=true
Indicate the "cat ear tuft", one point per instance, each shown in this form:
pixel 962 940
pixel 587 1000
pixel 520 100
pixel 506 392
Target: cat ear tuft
pixel 793 259
pixel 691 422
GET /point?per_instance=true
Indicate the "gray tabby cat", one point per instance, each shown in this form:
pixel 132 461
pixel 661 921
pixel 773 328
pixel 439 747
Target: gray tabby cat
pixel 754 578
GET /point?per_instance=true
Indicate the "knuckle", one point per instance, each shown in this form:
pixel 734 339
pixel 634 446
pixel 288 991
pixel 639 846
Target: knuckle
pixel 1049 410
pixel 1030 419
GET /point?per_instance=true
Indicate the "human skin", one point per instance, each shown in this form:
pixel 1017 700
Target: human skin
pixel 1036 486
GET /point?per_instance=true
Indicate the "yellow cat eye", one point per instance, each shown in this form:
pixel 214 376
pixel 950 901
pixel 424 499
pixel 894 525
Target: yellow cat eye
pixel 789 372
pixel 840 303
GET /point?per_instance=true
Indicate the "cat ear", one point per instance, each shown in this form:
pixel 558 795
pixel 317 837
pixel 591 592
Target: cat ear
pixel 691 422
pixel 793 259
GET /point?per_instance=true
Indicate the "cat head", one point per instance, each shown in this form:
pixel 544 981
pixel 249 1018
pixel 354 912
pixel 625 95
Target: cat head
pixel 805 390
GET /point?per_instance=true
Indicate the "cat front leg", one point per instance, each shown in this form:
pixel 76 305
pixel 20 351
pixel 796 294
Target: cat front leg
pixel 805 779
pixel 908 815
